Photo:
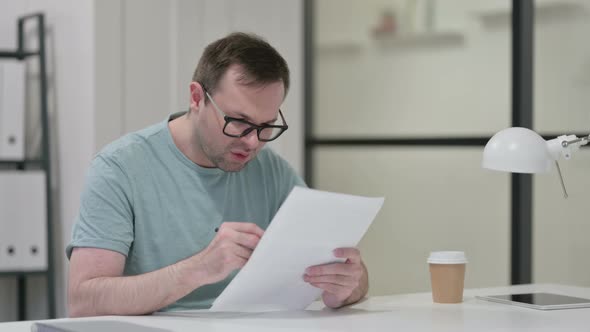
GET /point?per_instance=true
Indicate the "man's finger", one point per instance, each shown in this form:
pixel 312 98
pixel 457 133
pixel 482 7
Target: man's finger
pixel 247 240
pixel 333 268
pixel 352 254
pixel 244 227
pixel 242 252
pixel 336 279
pixel 330 288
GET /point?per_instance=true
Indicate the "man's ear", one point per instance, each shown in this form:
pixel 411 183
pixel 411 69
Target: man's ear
pixel 197 94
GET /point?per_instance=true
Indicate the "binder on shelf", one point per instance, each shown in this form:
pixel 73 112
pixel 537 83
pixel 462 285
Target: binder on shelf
pixel 12 110
pixel 23 239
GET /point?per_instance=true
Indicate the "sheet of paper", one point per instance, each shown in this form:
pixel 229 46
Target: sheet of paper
pixel 304 232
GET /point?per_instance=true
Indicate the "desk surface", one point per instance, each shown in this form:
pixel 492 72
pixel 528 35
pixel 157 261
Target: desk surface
pixel 408 312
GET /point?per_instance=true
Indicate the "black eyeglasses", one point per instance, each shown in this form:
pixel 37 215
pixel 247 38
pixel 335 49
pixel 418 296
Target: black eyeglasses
pixel 235 127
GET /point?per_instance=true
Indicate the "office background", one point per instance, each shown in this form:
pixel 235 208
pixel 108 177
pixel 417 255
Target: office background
pixel 445 72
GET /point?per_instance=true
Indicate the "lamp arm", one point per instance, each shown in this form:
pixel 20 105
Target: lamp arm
pixel 564 146
pixel 581 140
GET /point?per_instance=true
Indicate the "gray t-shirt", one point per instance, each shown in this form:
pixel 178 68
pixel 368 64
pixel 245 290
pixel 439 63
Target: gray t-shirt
pixel 145 199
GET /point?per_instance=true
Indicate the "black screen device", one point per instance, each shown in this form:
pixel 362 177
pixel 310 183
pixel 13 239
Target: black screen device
pixel 540 301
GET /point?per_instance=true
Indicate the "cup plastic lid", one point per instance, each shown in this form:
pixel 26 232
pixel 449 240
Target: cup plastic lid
pixel 447 257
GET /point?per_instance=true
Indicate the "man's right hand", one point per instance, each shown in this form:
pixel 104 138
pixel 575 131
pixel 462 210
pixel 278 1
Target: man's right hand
pixel 230 250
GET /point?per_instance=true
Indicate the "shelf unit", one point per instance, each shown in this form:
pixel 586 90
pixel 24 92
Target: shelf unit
pixel 494 16
pixel 421 39
pixel 413 40
pixel 43 162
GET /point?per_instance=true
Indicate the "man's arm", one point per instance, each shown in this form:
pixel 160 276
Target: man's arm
pixel 97 285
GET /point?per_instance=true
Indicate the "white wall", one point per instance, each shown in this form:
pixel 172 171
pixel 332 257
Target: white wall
pixel 116 66
pixel 451 81
pixel 148 50
pixel 71 102
pixel 435 199
pixel 428 86
pixel 416 87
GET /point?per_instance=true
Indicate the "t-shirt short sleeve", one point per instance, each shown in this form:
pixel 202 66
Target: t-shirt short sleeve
pixel 105 218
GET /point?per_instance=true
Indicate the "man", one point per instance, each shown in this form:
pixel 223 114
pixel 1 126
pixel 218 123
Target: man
pixel 171 212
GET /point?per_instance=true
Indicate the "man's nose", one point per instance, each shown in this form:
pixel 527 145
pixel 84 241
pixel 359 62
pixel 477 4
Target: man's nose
pixel 251 139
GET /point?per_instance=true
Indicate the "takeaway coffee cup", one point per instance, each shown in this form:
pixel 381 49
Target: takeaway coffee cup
pixel 447 275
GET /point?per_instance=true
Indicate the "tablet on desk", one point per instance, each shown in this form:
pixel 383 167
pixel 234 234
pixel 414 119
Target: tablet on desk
pixel 540 301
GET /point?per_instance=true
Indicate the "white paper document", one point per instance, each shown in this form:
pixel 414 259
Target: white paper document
pixel 304 232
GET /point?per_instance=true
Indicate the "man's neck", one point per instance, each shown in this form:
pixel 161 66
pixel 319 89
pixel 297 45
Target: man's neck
pixel 186 141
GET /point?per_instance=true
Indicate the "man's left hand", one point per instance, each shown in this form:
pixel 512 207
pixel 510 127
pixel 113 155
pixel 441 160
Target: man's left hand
pixel 343 283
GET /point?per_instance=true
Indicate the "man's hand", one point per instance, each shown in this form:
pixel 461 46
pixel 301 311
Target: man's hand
pixel 343 283
pixel 230 250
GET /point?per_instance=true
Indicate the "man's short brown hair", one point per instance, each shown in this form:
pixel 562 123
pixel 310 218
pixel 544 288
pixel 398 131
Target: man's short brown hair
pixel 260 62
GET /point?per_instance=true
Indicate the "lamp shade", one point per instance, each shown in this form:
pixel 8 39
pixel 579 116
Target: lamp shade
pixel 518 150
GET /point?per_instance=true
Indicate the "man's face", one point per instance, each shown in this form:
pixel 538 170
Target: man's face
pixel 255 104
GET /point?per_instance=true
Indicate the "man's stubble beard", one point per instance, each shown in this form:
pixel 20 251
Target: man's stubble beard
pixel 219 160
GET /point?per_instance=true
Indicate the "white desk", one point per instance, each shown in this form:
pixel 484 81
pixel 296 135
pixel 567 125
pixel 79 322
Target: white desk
pixel 411 312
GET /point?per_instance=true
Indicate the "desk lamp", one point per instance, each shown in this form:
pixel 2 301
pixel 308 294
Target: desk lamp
pixel 521 150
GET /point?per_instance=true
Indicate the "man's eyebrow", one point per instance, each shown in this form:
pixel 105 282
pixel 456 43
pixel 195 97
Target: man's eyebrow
pixel 249 119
